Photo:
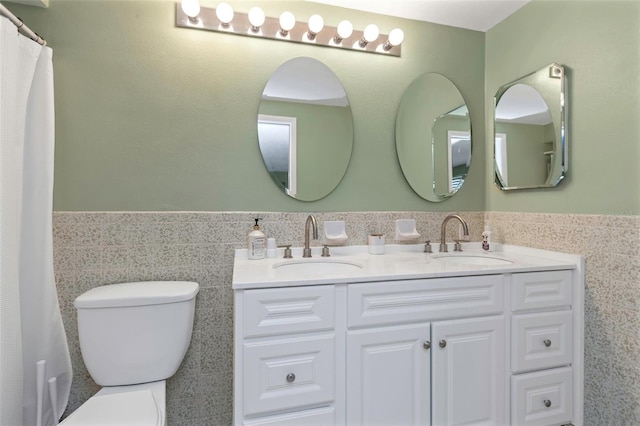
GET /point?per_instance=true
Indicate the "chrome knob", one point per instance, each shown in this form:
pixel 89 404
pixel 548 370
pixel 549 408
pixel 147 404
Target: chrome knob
pixel 443 343
pixel 547 342
pixel 426 345
pixel 291 377
pixel 547 403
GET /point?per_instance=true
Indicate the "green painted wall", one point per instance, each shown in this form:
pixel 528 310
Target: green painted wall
pixel 599 43
pixel 154 117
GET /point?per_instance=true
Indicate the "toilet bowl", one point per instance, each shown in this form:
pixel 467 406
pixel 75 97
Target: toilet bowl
pixel 133 336
pixel 132 405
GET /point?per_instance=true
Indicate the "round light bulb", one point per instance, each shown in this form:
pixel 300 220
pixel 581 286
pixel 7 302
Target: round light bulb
pixel 345 29
pixel 191 8
pixel 224 12
pixel 371 32
pixel 396 37
pixel 316 24
pixel 287 21
pixel 256 16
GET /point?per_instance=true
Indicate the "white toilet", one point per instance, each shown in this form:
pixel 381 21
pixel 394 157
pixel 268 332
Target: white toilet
pixel 133 337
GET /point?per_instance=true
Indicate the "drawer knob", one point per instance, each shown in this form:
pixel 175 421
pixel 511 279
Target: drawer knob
pixel 443 343
pixel 547 403
pixel 291 377
pixel 427 345
pixel 547 342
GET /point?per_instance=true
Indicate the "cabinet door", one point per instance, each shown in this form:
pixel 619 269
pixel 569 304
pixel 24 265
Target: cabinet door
pixel 388 376
pixel 468 371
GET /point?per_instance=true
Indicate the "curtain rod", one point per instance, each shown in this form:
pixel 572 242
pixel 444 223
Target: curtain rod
pixel 22 28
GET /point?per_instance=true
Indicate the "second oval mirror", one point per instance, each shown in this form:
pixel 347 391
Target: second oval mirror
pixel 305 129
pixel 433 137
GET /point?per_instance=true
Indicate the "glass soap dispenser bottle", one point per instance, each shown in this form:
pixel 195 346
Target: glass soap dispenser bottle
pixel 257 242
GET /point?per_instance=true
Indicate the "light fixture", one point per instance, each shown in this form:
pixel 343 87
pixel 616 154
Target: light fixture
pixel 344 30
pixel 316 24
pixel 370 34
pixel 287 22
pixel 191 8
pixel 396 37
pixel 256 18
pixel 224 12
pixel 254 23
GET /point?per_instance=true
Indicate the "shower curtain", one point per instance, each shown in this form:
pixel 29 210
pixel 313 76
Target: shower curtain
pixel 31 326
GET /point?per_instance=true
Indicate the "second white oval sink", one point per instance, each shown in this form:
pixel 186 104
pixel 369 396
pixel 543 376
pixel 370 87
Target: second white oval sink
pixel 318 266
pixel 472 259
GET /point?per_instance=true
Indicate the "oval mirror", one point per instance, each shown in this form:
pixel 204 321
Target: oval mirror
pixel 530 149
pixel 433 137
pixel 305 129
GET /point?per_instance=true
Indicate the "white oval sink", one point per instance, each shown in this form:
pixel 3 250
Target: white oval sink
pixel 318 266
pixel 472 259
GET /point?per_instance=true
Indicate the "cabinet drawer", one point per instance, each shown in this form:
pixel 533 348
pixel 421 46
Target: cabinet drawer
pixel 538 290
pixel 542 340
pixel 325 416
pixel 288 373
pixel 542 398
pixel 288 310
pixel 424 300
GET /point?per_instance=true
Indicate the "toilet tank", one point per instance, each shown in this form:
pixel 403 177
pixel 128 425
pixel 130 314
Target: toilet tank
pixel 135 332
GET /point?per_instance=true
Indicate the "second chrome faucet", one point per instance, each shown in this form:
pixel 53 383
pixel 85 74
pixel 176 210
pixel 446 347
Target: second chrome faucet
pixel 443 232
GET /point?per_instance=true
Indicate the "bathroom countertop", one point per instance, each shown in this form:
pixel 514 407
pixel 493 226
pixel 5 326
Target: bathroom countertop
pixel 399 262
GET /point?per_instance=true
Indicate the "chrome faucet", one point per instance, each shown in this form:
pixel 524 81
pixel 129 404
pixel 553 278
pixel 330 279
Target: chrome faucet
pixel 311 220
pixel 443 231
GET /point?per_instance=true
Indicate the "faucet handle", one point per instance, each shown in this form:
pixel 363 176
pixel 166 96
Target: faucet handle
pixel 325 251
pixel 287 251
pixel 427 247
pixel 457 246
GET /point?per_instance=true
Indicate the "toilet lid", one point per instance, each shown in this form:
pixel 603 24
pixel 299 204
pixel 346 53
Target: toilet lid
pixel 136 408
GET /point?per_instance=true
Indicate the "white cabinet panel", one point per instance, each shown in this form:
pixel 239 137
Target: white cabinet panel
pixel 288 310
pixel 388 376
pixel 325 416
pixel 468 372
pixel 541 340
pixel 540 290
pixel 424 300
pixel 288 373
pixel 542 398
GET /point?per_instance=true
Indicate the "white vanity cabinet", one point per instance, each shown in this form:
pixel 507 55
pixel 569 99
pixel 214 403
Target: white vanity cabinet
pixel 489 348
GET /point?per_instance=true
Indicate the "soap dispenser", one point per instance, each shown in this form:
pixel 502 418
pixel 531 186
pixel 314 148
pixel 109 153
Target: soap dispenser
pixel 257 242
pixel 487 240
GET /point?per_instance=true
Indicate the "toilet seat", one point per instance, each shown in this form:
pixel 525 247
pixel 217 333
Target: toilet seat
pixel 135 408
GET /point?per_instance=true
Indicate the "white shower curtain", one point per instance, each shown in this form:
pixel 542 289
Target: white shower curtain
pixel 30 322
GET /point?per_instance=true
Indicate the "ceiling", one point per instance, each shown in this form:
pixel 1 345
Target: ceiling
pixel 478 15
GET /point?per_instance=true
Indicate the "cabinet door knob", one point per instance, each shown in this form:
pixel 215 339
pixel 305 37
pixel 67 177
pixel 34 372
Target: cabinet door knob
pixel 547 342
pixel 443 343
pixel 291 377
pixel 547 403
pixel 427 345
